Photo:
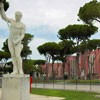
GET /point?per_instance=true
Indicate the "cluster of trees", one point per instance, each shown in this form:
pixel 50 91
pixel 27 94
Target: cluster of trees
pixel 74 38
pixel 31 66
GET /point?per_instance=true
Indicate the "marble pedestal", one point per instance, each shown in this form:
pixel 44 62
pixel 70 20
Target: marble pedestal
pixel 15 87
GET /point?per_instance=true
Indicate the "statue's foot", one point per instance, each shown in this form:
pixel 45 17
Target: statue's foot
pixel 14 73
pixel 21 72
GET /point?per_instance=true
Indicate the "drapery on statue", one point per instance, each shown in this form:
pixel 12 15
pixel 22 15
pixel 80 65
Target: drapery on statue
pixel 17 32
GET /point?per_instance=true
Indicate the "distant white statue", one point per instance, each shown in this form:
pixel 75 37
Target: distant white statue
pixel 17 32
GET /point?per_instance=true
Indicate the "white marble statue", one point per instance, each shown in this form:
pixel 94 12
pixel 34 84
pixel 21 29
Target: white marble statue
pixel 17 32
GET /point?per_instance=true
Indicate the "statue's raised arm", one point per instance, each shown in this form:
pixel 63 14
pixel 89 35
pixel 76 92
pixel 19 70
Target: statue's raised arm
pixel 2 13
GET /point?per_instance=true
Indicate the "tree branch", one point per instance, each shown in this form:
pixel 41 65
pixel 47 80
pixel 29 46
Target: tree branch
pixel 97 20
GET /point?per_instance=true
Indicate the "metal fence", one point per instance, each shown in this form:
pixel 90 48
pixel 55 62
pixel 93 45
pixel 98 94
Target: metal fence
pixel 79 85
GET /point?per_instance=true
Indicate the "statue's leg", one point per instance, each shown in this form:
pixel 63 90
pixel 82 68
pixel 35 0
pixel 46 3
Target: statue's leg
pixel 18 49
pixel 12 52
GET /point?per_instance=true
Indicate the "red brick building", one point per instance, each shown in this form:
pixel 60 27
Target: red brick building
pixel 88 66
pixel 89 63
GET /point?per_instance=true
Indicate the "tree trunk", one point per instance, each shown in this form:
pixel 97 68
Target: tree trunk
pixel 63 66
pixel 77 58
pixel 47 65
pixel 77 66
pixel 53 69
pixel 57 69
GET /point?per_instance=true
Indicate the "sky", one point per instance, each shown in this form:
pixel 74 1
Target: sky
pixel 43 19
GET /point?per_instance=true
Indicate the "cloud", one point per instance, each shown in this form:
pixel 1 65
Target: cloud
pixel 34 44
pixel 56 13
pixel 45 32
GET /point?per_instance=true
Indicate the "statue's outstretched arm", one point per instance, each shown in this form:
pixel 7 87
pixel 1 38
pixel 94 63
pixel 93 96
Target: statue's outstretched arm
pixel 2 13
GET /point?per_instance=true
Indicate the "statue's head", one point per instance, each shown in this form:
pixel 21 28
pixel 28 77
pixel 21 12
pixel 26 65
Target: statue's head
pixel 18 15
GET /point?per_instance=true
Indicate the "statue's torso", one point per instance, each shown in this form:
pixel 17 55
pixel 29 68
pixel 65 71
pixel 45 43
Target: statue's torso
pixel 15 30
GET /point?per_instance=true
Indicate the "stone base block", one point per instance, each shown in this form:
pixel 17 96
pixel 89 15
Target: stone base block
pixel 15 87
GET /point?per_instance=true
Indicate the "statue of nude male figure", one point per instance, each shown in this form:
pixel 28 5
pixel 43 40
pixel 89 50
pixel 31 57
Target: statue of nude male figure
pixel 17 32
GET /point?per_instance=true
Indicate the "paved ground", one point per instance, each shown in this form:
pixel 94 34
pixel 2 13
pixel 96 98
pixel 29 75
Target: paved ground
pixel 38 97
pixel 91 88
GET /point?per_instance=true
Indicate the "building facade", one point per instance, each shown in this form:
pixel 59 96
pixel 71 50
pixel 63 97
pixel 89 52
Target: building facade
pixel 84 67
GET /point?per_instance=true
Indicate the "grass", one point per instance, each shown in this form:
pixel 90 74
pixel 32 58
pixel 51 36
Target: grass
pixel 68 95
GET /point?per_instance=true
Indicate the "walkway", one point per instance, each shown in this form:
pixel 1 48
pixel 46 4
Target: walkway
pixel 78 87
